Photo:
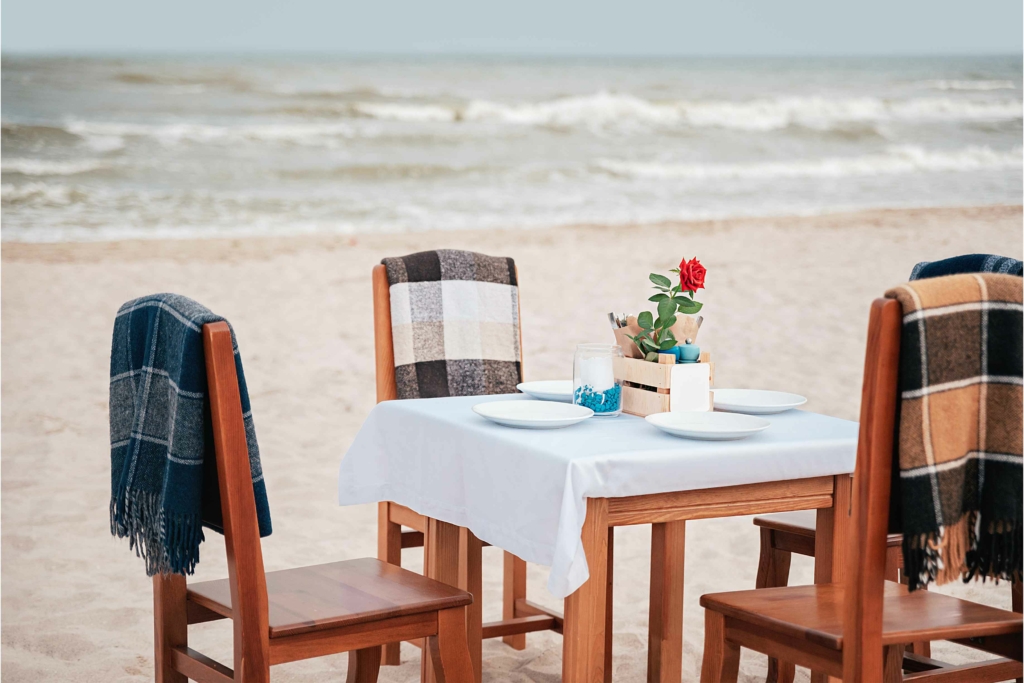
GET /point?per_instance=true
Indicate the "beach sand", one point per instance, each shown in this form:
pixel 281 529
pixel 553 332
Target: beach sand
pixel 786 307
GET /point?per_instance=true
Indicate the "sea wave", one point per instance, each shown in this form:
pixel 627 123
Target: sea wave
pixel 43 167
pixel 605 109
pixel 942 84
pixel 175 133
pixel 896 160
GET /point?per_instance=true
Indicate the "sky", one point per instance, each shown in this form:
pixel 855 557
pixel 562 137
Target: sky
pixel 517 27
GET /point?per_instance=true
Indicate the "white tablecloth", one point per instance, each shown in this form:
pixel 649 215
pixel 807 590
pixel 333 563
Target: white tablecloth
pixel 525 490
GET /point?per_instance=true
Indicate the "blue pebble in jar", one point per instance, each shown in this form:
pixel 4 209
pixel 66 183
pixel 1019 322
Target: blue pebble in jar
pixel 608 401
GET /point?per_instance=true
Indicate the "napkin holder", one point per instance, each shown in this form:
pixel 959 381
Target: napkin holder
pixel 649 388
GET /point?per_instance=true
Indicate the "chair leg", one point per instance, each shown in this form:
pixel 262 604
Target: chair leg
pixel 449 651
pixel 892 662
pixel 389 549
pixel 1017 596
pixel 721 658
pixel 170 624
pixel 514 589
pixel 919 647
pixel 773 572
pixel 893 562
pixel 364 665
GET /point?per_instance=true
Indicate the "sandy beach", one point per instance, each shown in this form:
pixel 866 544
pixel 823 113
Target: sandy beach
pixel 786 307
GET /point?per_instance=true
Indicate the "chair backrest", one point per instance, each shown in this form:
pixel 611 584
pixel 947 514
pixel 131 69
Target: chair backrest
pixel 865 577
pixel 247 579
pixel 384 343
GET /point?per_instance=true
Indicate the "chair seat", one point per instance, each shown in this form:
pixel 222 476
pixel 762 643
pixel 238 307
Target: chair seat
pixel 804 523
pixel 815 614
pixel 338 594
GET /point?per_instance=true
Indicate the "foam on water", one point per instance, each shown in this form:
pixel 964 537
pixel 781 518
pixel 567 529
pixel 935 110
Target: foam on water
pixel 896 160
pixel 182 147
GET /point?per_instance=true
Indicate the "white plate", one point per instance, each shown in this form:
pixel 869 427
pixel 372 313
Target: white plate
pixel 548 390
pixel 756 401
pixel 708 426
pixel 532 414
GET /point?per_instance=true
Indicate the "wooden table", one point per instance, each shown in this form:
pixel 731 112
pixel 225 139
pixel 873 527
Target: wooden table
pixel 586 651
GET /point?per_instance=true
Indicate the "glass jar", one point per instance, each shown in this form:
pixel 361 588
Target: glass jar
pixel 593 379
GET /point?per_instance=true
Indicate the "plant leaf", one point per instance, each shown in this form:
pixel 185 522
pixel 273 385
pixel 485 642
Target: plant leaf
pixel 645 320
pixel 658 297
pixel 676 289
pixel 667 344
pixel 668 322
pixel 666 308
pixel 652 357
pixel 690 307
pixel 660 280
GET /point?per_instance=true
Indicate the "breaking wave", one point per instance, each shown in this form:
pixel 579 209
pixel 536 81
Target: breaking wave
pixel 896 160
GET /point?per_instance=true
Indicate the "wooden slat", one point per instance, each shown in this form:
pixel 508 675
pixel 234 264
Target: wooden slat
pixel 726 501
pixel 641 402
pixel 792 543
pixel 643 372
pixel 801 652
pixel 991 671
pixel 198 614
pixel 320 643
pixel 198 667
pixel 400 514
pixel 528 608
pixel 519 626
pixel 412 539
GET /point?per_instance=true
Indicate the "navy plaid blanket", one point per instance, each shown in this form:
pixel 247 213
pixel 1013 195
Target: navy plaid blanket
pixel 162 466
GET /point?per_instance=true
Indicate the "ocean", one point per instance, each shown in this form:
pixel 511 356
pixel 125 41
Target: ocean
pixel 196 146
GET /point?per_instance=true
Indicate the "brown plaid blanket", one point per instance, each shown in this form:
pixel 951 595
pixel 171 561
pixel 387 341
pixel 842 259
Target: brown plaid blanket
pixel 958 502
pixel 455 322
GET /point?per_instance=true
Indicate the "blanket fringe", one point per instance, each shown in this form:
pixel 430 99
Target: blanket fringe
pixel 965 549
pixel 169 544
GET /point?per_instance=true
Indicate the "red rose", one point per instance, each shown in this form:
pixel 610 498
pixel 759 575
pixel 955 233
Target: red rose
pixel 691 275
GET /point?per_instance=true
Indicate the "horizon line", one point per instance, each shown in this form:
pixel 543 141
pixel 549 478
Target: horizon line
pixel 274 52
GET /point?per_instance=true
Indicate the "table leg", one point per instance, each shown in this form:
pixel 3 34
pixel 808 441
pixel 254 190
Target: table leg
pixel 831 536
pixel 441 551
pixel 608 607
pixel 389 549
pixel 665 630
pixel 514 578
pixel 471 581
pixel 584 626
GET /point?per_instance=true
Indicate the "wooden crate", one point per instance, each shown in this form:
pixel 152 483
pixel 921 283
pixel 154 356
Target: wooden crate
pixel 646 386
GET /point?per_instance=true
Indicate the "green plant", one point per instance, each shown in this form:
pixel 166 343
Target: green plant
pixel 656 334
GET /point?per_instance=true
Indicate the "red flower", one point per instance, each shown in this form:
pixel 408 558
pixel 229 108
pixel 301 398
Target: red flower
pixel 691 275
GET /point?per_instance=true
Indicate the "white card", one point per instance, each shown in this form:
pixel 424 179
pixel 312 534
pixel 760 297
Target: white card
pixel 691 387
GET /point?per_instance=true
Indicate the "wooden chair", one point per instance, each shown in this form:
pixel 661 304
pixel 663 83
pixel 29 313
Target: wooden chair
pixel 785 533
pixel 519 616
pixel 352 606
pixel 858 630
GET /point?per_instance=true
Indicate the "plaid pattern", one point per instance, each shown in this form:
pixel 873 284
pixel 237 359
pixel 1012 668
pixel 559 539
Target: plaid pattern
pixel 968 263
pixel 958 491
pixel 455 324
pixel 162 466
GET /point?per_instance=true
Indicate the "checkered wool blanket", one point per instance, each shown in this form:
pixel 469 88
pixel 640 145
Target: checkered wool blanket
pixel 455 323
pixel 968 263
pixel 162 466
pixel 958 493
